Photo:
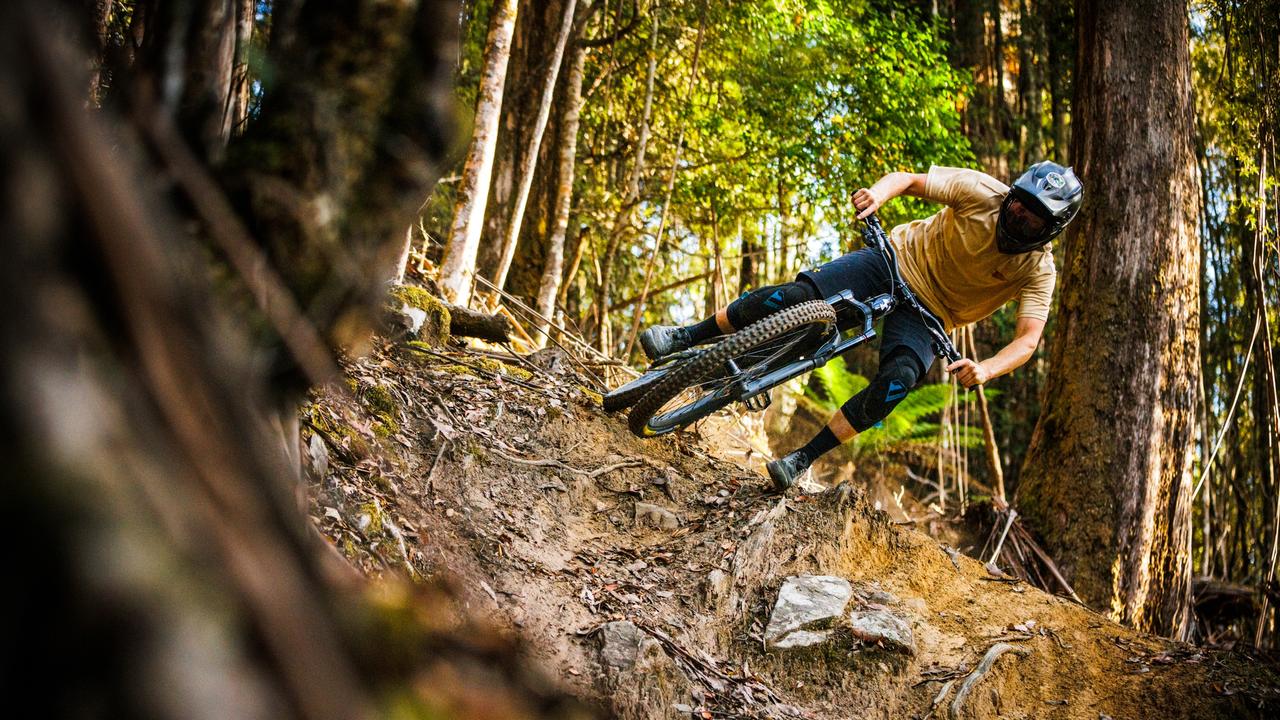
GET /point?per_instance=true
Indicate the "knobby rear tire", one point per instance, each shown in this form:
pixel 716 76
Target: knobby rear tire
pixel 699 367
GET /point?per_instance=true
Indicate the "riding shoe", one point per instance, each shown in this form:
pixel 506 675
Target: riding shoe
pixel 786 470
pixel 662 340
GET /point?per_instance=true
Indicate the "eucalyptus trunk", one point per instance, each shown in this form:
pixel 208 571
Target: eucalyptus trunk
pixel 1107 478
pixel 530 159
pixel 458 267
pixel 241 82
pixel 553 270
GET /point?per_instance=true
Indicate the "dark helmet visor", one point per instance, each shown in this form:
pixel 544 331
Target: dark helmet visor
pixel 1023 224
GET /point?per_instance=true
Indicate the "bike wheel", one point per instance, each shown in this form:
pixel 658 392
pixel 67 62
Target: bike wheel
pixel 701 385
pixel 627 395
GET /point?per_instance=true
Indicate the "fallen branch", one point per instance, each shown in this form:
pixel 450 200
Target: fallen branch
pixel 984 667
pixel 465 322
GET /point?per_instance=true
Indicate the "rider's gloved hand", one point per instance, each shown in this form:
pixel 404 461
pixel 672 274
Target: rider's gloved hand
pixel 866 202
pixel 969 373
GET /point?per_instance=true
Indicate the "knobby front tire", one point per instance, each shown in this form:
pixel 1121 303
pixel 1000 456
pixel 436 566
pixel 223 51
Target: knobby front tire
pixel 627 395
pixel 650 417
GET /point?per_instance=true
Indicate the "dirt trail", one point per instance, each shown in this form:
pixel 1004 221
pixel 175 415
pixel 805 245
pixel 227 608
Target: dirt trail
pixel 524 494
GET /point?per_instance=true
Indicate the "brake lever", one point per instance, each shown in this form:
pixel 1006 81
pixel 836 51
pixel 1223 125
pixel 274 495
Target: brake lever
pixel 941 350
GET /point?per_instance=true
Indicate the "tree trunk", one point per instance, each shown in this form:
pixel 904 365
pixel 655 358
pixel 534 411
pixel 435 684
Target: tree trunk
pixel 241 83
pixel 752 258
pixel 535 36
pixel 458 267
pixel 178 577
pixel 100 14
pixel 1029 44
pixel 1057 18
pixel 553 269
pixel 530 160
pixel 1106 481
pixel 210 47
pixel 622 219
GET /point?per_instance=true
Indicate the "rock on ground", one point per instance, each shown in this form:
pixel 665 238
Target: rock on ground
pixel 884 628
pixel 807 607
pixel 620 644
pixel 656 516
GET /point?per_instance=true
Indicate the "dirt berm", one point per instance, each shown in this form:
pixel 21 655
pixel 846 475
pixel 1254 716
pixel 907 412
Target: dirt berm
pixel 641 575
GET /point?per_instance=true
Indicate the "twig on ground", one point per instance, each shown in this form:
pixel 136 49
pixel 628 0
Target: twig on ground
pixel 537 371
pixel 940 698
pixel 432 470
pixel 704 668
pixel 984 667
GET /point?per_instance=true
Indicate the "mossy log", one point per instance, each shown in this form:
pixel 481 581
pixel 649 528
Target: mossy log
pixel 465 322
pixel 460 321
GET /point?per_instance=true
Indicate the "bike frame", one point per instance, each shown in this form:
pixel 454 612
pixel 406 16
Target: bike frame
pixel 873 235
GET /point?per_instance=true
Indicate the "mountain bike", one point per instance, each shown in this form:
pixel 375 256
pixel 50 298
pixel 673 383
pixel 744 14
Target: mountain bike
pixel 684 387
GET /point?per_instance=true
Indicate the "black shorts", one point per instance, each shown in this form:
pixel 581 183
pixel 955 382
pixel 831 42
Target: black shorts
pixel 864 272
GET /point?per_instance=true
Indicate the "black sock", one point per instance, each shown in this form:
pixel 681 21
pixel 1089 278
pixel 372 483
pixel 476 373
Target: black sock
pixel 703 331
pixel 821 443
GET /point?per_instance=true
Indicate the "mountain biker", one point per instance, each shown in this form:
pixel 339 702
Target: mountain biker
pixel 988 245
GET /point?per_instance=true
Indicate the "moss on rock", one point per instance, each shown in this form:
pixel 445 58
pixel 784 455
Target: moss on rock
pixel 434 330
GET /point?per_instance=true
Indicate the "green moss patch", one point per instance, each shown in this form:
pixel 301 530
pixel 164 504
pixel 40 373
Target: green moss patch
pixel 434 331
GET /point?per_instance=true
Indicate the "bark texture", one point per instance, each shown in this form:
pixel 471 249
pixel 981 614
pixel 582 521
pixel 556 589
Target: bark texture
pixel 177 575
pixel 529 161
pixel 458 267
pixel 553 268
pixel 532 50
pixel 1106 481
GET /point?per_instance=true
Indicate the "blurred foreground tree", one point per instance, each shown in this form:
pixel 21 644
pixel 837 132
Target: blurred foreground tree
pixel 176 575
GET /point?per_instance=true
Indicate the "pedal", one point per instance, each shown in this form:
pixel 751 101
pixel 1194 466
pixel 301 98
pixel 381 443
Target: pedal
pixel 756 403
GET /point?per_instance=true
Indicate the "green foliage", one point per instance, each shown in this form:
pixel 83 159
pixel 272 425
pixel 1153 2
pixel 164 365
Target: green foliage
pixel 907 428
pixel 792 105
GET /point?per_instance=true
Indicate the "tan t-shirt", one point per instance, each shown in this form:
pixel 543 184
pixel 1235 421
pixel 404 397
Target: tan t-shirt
pixel 951 261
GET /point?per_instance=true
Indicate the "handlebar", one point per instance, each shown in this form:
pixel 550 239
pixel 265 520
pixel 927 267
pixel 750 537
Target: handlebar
pixel 873 235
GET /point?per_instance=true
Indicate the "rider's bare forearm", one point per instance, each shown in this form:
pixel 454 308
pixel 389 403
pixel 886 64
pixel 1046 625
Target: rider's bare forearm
pixel 1010 358
pixel 898 183
pixel 868 200
pixel 1014 355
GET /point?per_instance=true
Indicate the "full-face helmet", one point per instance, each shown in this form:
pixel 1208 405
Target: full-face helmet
pixel 1039 205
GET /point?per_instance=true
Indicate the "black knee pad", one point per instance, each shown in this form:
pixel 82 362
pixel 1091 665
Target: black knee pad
pixel 898 373
pixel 759 304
